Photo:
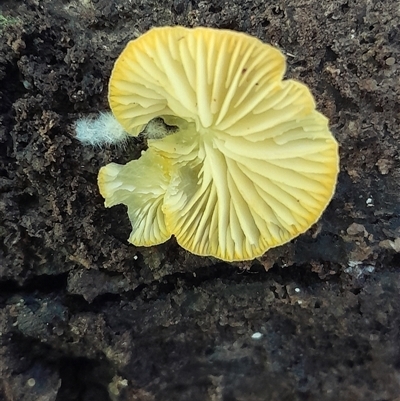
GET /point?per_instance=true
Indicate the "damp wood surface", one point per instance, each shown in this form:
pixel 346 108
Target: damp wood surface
pixel 86 316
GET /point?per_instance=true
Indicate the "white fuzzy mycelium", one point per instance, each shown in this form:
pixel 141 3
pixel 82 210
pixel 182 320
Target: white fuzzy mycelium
pixel 100 131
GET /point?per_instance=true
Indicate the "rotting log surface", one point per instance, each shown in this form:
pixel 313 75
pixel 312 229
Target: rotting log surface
pixel 85 316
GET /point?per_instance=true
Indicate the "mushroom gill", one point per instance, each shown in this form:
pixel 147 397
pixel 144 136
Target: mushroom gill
pixel 251 165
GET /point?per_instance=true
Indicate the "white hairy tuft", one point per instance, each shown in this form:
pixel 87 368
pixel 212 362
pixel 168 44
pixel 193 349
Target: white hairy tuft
pixel 103 130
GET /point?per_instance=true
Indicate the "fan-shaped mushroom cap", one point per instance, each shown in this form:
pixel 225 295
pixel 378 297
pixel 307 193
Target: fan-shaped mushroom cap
pixel 252 165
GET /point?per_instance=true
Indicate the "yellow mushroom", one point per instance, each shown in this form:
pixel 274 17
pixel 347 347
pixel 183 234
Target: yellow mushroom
pixel 251 164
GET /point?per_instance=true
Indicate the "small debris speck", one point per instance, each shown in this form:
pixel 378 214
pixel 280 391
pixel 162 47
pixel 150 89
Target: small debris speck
pixel 356 229
pixel 31 382
pixel 390 61
pixel 256 336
